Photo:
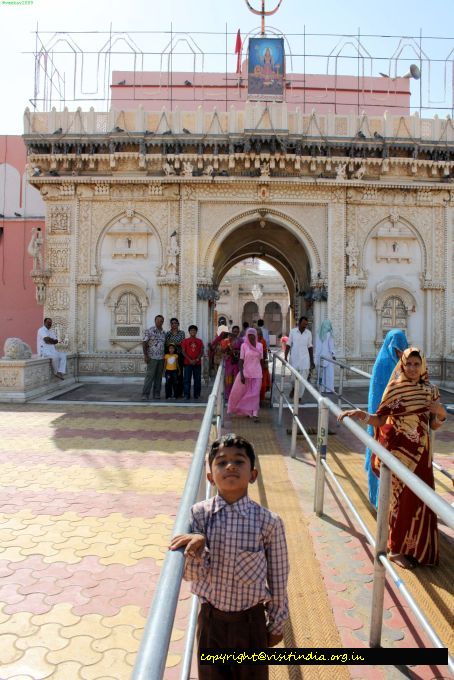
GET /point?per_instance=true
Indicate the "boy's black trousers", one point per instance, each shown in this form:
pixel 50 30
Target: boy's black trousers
pixel 234 630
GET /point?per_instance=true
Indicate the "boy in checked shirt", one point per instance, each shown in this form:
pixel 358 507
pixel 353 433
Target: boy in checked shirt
pixel 236 558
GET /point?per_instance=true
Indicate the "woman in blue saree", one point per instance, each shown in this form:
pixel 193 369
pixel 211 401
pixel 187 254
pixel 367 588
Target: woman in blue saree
pixel 394 344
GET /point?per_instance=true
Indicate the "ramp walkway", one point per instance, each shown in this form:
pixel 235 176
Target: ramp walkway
pixel 88 496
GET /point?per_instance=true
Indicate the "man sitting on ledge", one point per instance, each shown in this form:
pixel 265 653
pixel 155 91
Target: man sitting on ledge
pixel 46 341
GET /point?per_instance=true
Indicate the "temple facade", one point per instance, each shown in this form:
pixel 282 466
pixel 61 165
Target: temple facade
pixel 147 211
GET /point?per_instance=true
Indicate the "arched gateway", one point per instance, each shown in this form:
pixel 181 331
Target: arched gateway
pixel 276 239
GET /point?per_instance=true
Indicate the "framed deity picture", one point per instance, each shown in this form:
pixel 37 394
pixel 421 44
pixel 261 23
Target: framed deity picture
pixel 266 69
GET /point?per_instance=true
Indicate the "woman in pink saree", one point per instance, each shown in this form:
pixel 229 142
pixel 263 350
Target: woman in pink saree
pixel 245 395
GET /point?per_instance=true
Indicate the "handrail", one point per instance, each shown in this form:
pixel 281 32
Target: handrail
pixel 389 464
pixel 152 654
pixel 340 396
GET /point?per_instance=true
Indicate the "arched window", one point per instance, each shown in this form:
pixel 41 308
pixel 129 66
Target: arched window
pixel 128 305
pixel 273 318
pixel 250 313
pixel 128 317
pixel 394 314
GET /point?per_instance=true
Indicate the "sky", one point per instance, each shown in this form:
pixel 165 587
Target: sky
pixel 19 20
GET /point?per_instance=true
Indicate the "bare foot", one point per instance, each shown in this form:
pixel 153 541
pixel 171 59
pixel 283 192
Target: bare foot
pixel 404 561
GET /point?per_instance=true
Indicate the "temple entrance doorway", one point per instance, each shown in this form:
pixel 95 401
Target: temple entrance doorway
pixel 262 269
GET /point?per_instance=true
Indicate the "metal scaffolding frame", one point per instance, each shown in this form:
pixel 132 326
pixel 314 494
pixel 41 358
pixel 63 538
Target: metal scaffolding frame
pixel 75 69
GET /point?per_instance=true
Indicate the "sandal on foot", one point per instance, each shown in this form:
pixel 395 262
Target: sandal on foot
pixel 404 561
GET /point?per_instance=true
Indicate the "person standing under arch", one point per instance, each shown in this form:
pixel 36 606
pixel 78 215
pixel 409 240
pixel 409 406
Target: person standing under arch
pixel 245 395
pixel 301 351
pixel 325 348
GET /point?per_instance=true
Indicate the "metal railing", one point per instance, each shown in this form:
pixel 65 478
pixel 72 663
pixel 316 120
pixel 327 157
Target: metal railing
pixel 389 464
pixel 341 398
pixel 152 654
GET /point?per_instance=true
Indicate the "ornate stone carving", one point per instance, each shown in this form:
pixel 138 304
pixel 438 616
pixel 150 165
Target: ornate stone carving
pixel 59 258
pixel 57 298
pixel 9 377
pixel 15 348
pixel 40 280
pixel 168 169
pixel 35 249
pixel 188 193
pixel 67 188
pixel 59 219
pixel 350 303
pixel 83 321
pixel 341 172
pixel 352 252
pixel 370 194
pixel 102 189
pixel 155 189
pixel 187 169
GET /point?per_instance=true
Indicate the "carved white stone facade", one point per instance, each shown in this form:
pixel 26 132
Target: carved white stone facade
pixel 376 236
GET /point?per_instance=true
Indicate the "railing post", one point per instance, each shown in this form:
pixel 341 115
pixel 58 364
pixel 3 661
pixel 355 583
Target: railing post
pixel 322 445
pixel 281 398
pixel 220 409
pixel 273 376
pixel 381 540
pixel 341 387
pixel 296 403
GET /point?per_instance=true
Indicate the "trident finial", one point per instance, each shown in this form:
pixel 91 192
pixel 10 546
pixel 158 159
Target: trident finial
pixel 263 13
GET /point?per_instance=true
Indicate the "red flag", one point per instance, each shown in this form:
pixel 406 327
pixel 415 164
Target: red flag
pixel 238 46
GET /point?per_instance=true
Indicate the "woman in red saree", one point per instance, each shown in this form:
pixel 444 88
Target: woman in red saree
pixel 409 408
pixel 265 386
pixel 231 349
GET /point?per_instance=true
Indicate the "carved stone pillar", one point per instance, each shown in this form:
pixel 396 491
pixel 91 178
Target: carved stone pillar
pixel 336 269
pixel 188 257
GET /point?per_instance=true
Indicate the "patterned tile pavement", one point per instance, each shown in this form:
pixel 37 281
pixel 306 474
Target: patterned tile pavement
pixel 88 497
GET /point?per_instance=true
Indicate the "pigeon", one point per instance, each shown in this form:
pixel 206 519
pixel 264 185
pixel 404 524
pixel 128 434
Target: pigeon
pixel 186 131
pixel 118 129
pixel 377 135
pixel 361 134
pixel 16 214
pixel 58 131
pixel 122 82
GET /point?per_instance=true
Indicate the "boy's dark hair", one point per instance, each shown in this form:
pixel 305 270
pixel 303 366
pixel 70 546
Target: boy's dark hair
pixel 228 441
pixel 174 319
pixel 245 324
pixel 260 323
pixel 191 327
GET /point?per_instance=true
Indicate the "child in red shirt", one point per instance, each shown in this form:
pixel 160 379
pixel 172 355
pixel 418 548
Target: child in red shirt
pixel 192 349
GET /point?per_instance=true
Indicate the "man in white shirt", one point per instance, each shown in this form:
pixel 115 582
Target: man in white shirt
pixel 46 341
pixel 301 351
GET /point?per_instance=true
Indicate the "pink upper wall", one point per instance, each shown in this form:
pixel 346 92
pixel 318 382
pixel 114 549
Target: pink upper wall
pixel 338 94
pixel 20 315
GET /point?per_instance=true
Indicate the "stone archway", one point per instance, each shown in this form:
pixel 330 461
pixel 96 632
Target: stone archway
pixel 274 238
